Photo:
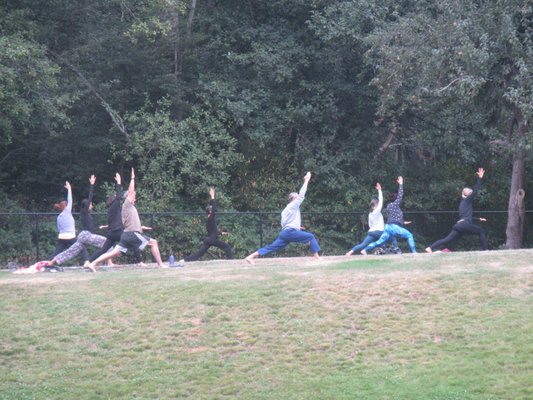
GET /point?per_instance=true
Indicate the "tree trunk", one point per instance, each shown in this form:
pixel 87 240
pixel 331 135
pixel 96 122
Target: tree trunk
pixel 516 210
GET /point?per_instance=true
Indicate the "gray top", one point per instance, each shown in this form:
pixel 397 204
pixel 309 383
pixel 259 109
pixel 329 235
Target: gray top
pixel 375 218
pixel 130 217
pixel 65 221
pixel 290 216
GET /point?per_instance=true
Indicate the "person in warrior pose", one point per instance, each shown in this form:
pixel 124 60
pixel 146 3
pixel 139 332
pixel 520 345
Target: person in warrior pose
pixel 66 225
pixel 465 226
pixel 132 237
pixel 291 227
pixel 212 233
pixel 376 225
pixel 114 220
pixel 86 237
pixel 395 222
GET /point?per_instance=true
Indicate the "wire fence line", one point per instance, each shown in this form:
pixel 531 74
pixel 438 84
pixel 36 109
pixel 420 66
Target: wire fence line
pixel 29 236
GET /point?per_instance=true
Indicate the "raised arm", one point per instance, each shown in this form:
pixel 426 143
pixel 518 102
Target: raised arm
pixel 118 186
pixel 380 199
pixel 92 181
pixel 69 196
pixel 399 197
pixel 131 187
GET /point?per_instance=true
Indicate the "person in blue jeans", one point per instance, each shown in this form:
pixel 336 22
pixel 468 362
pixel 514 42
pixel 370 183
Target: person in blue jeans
pixel 376 224
pixel 395 221
pixel 291 227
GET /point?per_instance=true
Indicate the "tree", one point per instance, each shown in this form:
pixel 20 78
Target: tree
pixel 465 68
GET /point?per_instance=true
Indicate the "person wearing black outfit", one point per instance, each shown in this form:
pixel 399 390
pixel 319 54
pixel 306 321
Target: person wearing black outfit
pixel 212 233
pixel 465 226
pixel 114 220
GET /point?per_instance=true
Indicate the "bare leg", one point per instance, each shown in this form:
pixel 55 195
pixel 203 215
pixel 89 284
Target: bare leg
pixel 106 256
pixel 250 258
pixel 155 252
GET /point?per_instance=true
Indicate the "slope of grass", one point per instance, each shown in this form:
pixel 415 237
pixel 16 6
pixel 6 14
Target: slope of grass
pixel 441 327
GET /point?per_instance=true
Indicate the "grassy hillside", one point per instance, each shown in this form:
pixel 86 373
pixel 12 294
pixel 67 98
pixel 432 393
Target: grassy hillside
pixel 440 326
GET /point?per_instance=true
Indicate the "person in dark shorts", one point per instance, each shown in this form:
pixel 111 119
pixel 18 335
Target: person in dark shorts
pixel 132 237
pixel 212 233
pixel 465 226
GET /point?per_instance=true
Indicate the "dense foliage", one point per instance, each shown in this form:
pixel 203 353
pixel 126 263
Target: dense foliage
pixel 248 95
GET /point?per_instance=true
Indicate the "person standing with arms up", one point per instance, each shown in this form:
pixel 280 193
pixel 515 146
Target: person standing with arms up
pixel 291 227
pixel 376 224
pixel 132 237
pixel 212 233
pixel 465 226
pixel 66 225
pixel 395 222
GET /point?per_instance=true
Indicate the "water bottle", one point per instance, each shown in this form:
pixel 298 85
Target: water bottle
pixel 171 261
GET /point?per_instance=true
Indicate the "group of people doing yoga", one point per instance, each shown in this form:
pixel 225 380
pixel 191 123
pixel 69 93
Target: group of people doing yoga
pixel 125 233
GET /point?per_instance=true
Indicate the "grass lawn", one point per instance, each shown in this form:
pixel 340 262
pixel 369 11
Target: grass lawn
pixel 438 327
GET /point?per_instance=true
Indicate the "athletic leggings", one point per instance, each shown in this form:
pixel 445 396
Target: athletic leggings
pixel 207 243
pixel 459 229
pixel 62 245
pixel 393 230
pixel 85 238
pixel 112 238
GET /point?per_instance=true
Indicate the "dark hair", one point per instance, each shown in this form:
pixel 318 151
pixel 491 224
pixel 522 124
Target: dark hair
pixel 393 196
pixel 110 200
pixel 61 205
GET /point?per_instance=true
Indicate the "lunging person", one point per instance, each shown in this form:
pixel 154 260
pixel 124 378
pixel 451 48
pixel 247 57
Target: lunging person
pixel 291 227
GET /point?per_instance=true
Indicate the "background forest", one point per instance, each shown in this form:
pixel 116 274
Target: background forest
pixel 248 95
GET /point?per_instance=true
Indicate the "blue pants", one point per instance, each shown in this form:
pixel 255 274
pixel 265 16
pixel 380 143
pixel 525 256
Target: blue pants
pixel 290 235
pixel 372 236
pixel 392 230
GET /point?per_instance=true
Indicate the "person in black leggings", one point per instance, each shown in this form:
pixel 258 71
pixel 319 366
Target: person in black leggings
pixel 465 226
pixel 212 233
pixel 114 220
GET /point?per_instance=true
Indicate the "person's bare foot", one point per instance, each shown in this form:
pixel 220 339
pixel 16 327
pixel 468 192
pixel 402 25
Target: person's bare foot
pixel 428 250
pixel 363 252
pixel 91 267
pixel 349 253
pixel 316 256
pixel 250 259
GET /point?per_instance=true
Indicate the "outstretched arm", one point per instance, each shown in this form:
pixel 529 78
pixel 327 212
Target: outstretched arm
pixel 480 173
pixel 118 187
pixel 69 196
pixel 92 181
pixel 400 190
pixel 131 187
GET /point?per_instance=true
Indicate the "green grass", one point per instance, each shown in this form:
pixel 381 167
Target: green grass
pixel 438 327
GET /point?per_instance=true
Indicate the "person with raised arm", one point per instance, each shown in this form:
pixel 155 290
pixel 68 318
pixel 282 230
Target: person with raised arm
pixel 114 220
pixel 132 237
pixel 394 226
pixel 66 225
pixel 212 233
pixel 376 224
pixel 291 227
pixel 86 237
pixel 465 226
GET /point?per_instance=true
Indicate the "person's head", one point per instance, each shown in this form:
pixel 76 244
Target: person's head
pixel 86 205
pixel 393 196
pixel 61 205
pixel 466 192
pixel 110 200
pixel 293 196
pixel 373 203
